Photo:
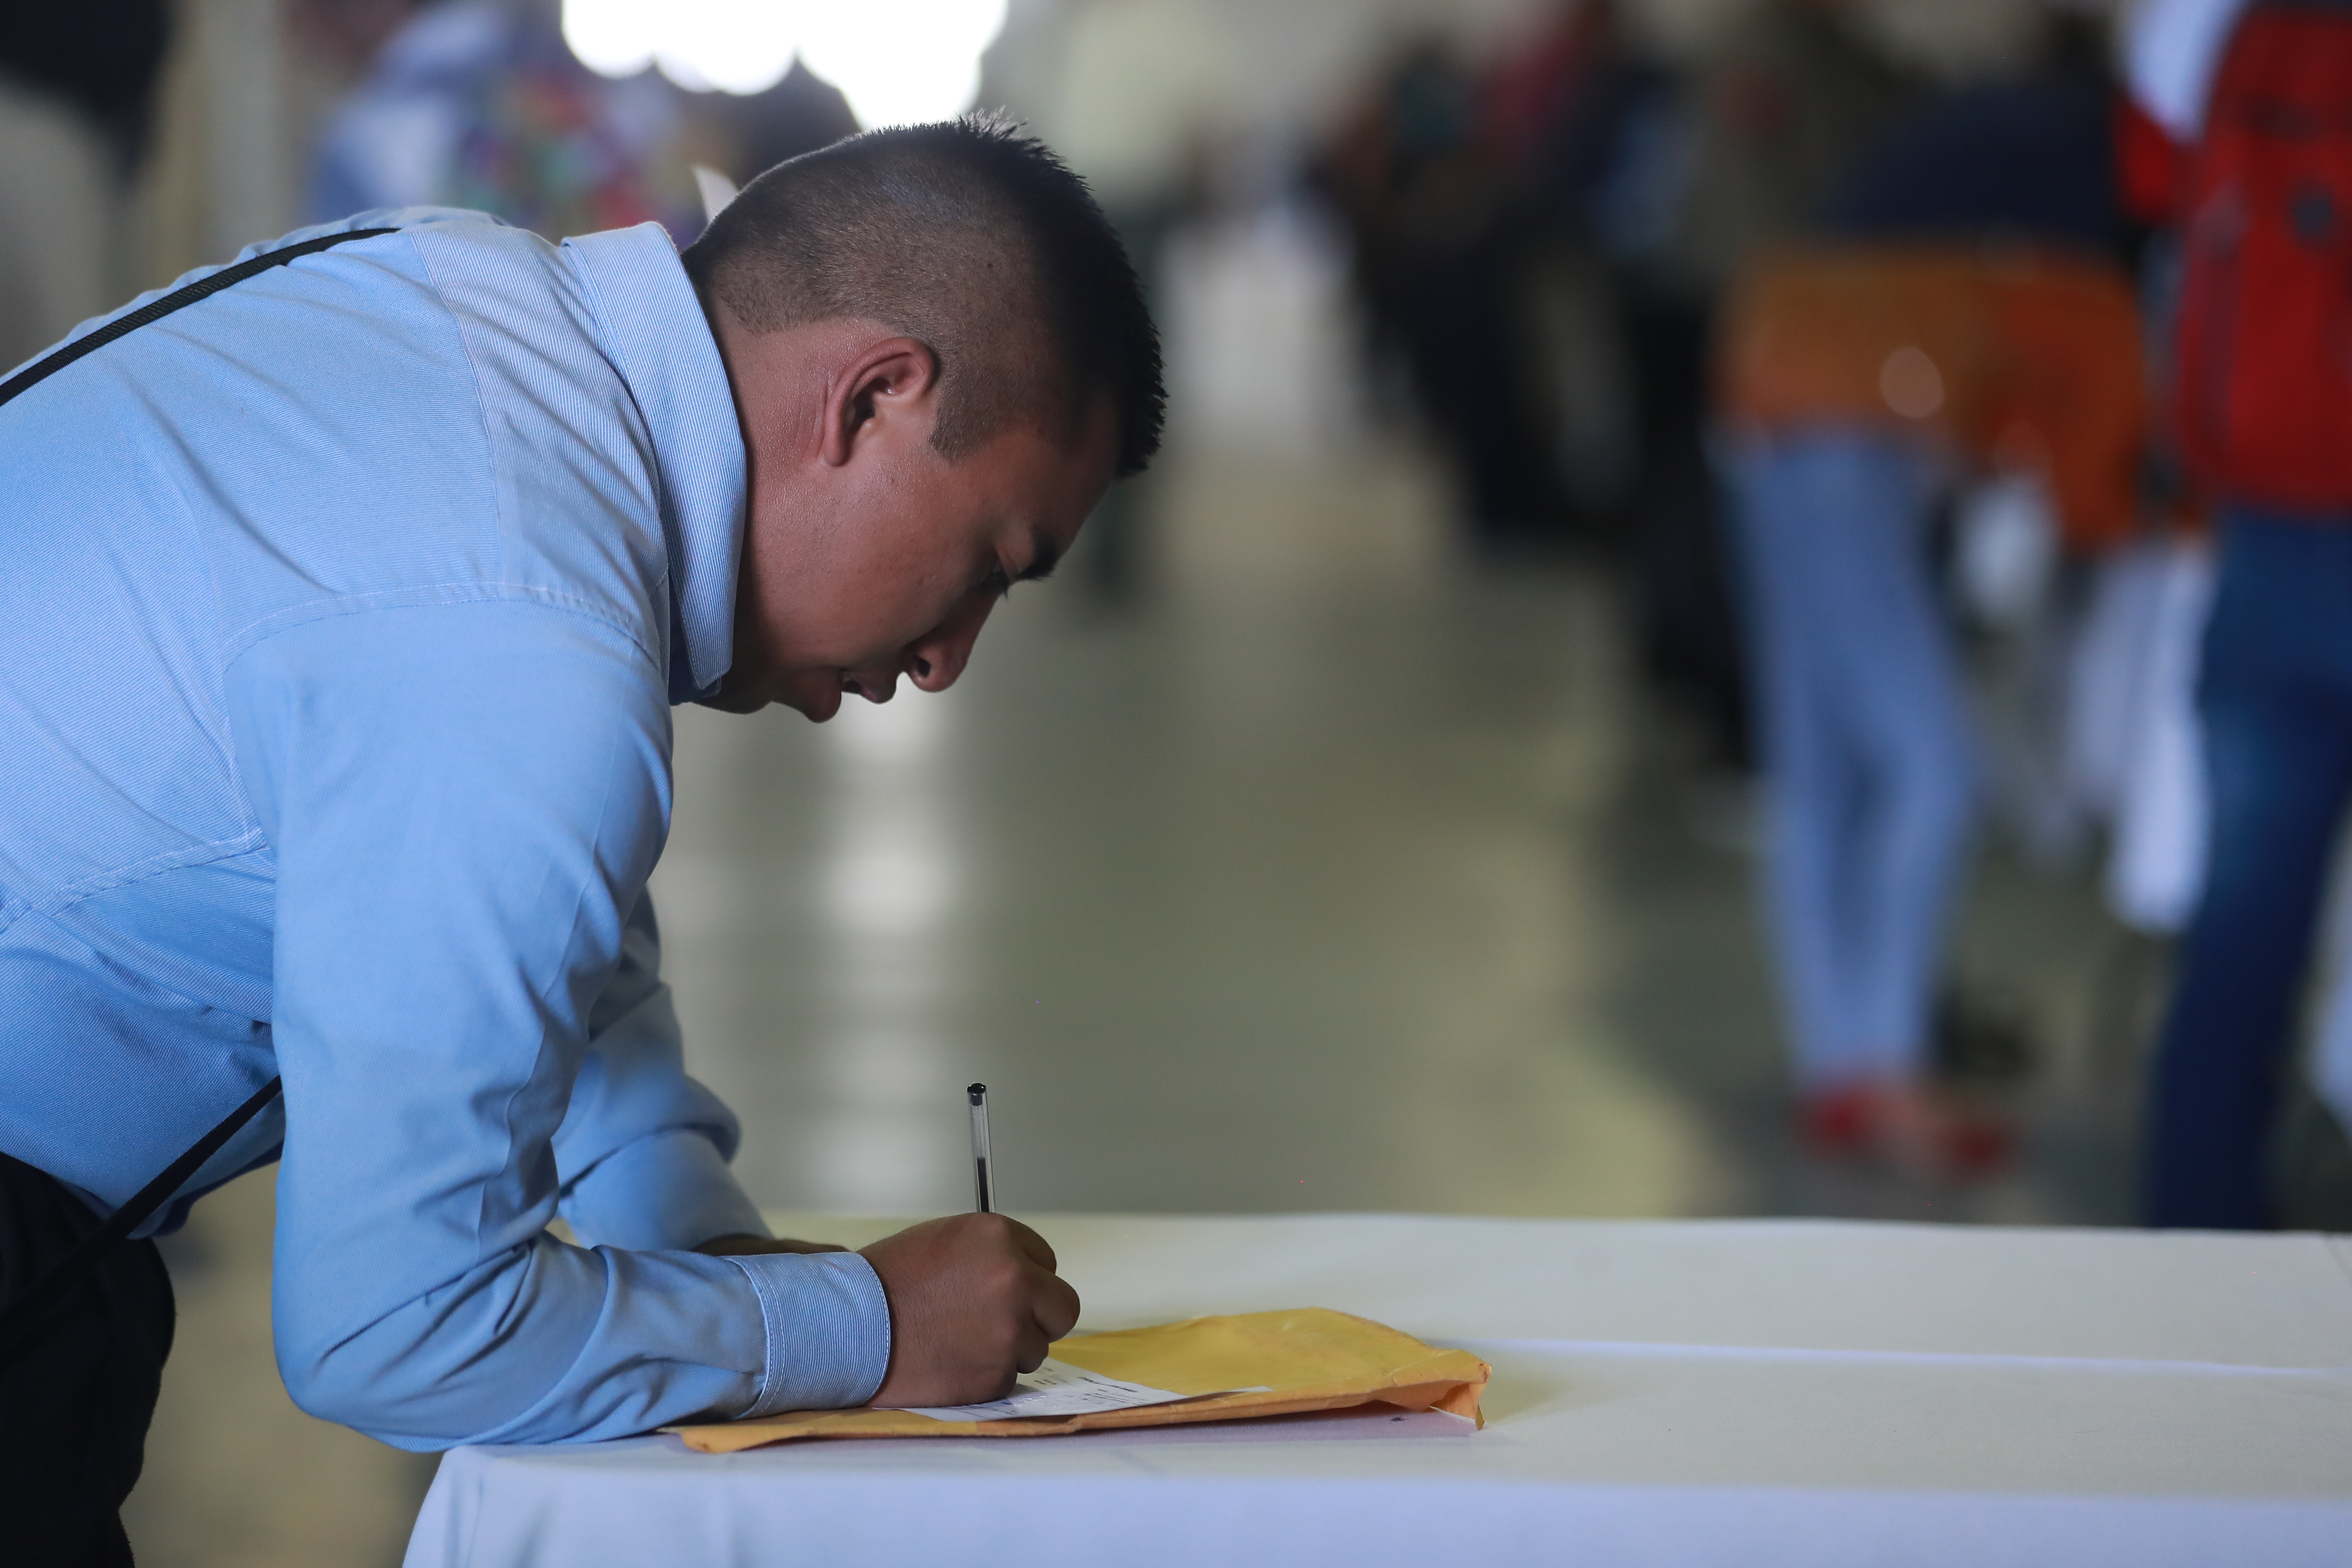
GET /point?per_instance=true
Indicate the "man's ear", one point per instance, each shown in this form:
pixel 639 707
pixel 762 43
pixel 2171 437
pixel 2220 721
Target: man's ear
pixel 891 383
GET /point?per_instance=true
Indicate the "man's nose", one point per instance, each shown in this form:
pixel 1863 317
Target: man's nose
pixel 935 661
pixel 934 664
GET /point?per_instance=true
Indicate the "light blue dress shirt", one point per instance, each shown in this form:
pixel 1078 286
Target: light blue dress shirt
pixel 343 617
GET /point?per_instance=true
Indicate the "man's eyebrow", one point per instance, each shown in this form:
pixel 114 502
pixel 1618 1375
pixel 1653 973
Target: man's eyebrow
pixel 1043 556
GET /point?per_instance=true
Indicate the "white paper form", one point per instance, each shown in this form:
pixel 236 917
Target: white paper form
pixel 1057 1388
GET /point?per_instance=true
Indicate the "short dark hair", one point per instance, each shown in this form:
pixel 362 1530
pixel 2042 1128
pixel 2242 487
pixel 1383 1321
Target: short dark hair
pixel 970 238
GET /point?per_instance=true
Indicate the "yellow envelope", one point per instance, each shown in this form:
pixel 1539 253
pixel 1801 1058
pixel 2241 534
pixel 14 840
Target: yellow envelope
pixel 1307 1359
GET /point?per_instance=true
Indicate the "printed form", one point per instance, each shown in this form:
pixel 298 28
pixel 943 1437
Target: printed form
pixel 1057 1388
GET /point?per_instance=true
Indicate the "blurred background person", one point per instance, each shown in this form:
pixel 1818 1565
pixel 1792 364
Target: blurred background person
pixel 2027 157
pixel 2263 400
pixel 1978 317
pixel 1783 103
pixel 76 101
pixel 1860 382
pixel 2026 163
pixel 1571 109
pixel 1427 195
pixel 478 104
pixel 2132 762
pixel 1869 768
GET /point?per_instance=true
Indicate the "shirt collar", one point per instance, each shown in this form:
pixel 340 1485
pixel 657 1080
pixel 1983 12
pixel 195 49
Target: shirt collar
pixel 664 348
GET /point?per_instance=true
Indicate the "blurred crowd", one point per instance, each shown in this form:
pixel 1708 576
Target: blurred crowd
pixel 1971 449
pixel 1974 448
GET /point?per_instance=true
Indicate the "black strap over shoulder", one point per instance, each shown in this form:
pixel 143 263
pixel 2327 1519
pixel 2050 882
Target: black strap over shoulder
pixel 179 298
pixel 21 1319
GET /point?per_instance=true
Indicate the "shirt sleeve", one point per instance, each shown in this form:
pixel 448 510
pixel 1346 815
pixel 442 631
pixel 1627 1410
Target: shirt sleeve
pixel 643 1149
pixel 464 802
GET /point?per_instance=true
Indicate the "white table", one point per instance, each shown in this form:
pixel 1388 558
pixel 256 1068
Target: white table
pixel 1798 1392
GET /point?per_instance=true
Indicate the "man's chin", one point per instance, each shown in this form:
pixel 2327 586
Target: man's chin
pixel 816 701
pixel 816 705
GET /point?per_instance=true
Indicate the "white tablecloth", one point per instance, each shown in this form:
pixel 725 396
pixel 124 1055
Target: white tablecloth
pixel 1794 1392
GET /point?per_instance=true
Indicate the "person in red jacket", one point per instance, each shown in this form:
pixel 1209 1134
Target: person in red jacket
pixel 2262 414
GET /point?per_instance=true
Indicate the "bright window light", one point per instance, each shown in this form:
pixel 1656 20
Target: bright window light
pixel 896 61
pixel 902 61
pixel 736 45
pixel 612 38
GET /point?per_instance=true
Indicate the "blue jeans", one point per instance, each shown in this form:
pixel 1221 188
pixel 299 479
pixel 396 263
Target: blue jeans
pixel 2275 692
pixel 1868 763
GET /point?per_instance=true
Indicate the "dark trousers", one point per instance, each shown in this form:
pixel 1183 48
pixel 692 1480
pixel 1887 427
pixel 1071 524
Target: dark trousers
pixel 75 1400
pixel 2275 694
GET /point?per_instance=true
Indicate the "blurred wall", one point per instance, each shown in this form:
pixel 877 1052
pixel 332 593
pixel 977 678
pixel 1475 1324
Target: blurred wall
pixel 231 132
pixel 56 249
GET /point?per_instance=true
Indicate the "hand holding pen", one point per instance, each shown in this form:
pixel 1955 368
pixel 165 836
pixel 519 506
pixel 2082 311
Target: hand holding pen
pixel 974 1301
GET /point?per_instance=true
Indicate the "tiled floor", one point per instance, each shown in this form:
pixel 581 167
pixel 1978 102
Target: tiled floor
pixel 1328 877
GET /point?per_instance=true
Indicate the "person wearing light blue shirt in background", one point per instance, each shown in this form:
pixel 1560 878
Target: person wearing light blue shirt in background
pixel 344 612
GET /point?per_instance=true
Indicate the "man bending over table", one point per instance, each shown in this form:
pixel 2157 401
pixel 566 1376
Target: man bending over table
pixel 347 602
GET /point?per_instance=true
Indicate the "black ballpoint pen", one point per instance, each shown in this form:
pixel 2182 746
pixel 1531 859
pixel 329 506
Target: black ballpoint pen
pixel 983 1186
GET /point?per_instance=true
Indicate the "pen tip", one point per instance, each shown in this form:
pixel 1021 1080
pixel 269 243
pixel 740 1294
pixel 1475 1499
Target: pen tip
pixel 976 1092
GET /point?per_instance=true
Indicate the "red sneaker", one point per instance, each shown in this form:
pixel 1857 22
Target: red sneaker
pixel 1915 1129
pixel 1839 1122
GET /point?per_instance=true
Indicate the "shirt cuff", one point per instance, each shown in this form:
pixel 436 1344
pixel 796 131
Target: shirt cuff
pixel 828 1330
pixel 672 1190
